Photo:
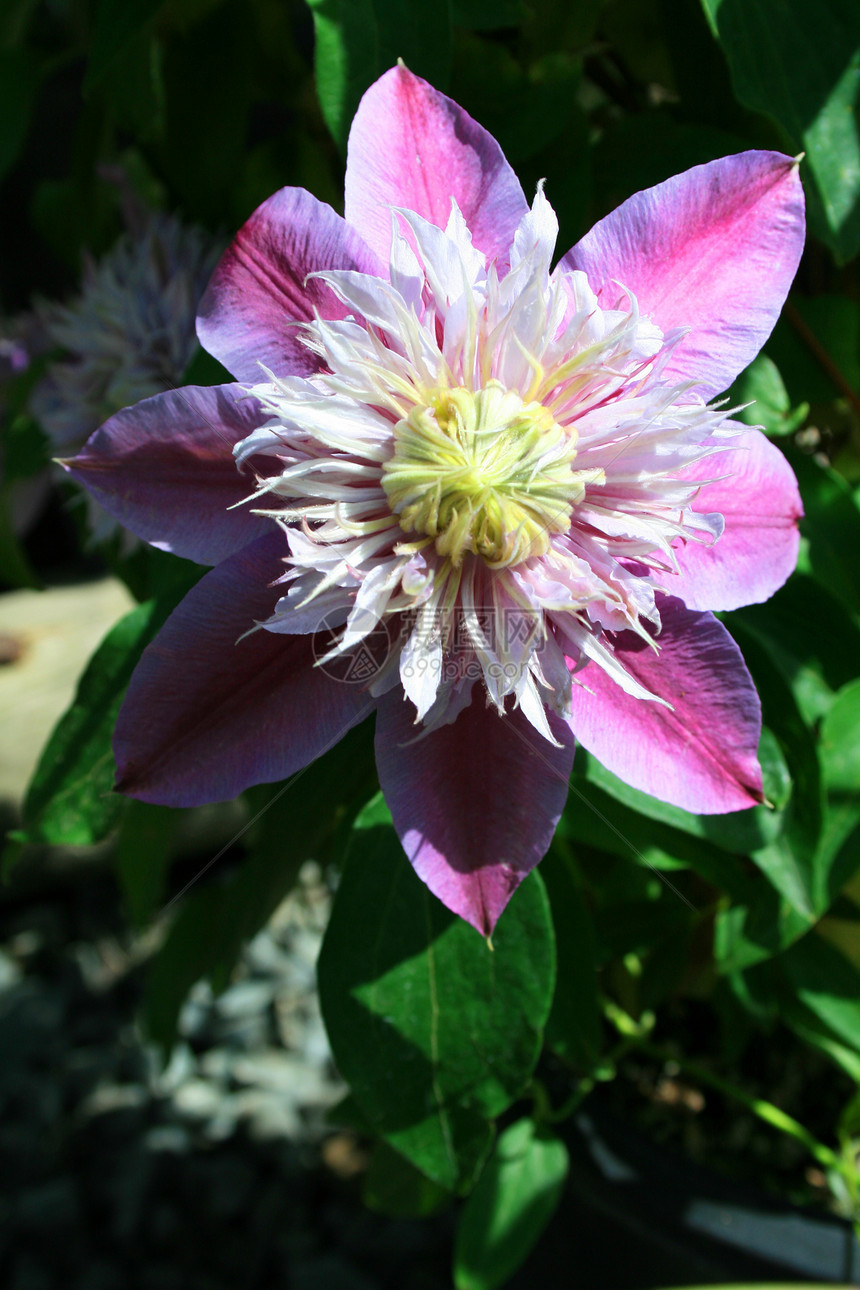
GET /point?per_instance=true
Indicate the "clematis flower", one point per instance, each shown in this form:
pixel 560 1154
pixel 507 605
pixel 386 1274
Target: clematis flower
pixel 502 488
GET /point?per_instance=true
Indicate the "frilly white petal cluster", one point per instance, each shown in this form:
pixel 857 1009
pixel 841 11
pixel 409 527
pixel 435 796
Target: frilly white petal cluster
pixel 448 320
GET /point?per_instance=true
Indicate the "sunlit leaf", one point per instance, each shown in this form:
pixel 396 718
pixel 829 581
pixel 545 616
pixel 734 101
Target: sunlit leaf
pixel 761 388
pixel 800 64
pixel 435 1030
pixel 358 40
pixel 840 741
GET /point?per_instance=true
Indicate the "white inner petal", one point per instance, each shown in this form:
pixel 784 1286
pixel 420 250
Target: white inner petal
pixel 446 331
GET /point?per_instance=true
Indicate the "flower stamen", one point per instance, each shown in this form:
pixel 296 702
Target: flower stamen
pixel 484 472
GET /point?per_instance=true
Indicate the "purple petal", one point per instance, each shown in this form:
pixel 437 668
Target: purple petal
pixel 411 146
pixel 757 552
pixel 715 250
pixel 701 753
pixel 164 468
pixel 259 291
pixel 207 714
pixel 475 803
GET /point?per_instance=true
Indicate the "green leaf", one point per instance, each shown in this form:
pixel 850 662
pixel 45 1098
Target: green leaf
pixel 574 1026
pixel 839 849
pixel 70 799
pixel 435 1030
pixel 840 741
pixel 827 984
pixel 604 812
pixel 394 1187
pixel 516 1196
pixel 761 387
pixel 358 40
pixel 756 927
pixel 739 832
pixel 813 1031
pixel 800 64
pixel 303 818
pixel 815 664
pixel 789 859
pixel 117 23
pixel 832 524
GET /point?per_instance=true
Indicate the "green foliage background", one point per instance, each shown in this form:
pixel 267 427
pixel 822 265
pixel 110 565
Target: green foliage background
pixel 208 106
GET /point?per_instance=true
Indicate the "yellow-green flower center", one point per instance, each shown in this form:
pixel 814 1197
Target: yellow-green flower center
pixel 481 471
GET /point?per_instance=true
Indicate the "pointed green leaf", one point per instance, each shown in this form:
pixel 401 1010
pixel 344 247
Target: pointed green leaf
pixel 71 799
pixel 762 388
pixel 840 741
pixel 832 525
pixel 435 1030
pixel 788 860
pixel 358 40
pixel 516 1196
pixel 394 1187
pixel 800 64
pixel 827 984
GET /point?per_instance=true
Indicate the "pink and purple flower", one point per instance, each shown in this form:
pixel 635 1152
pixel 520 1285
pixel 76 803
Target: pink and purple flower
pixel 500 487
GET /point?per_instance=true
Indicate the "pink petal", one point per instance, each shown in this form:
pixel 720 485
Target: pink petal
pixel 164 468
pixel 757 552
pixel 411 146
pixel 207 714
pixel 701 754
pixel 475 803
pixel 259 291
pixel 715 250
